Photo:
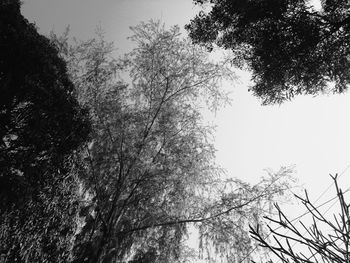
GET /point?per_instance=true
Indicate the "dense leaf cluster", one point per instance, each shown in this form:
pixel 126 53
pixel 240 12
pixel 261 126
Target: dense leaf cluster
pixel 41 124
pixel 290 47
pixel 40 119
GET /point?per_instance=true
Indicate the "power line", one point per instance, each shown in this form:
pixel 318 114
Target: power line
pixel 324 213
pixel 315 208
pixel 325 191
pixel 346 168
pixel 318 198
pixel 293 221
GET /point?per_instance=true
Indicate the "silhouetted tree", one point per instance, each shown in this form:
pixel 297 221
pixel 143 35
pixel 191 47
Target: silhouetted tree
pixel 289 47
pixel 41 124
pixel 40 119
pixel 326 240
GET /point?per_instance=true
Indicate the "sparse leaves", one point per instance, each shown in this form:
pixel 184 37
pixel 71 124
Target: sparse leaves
pixel 150 166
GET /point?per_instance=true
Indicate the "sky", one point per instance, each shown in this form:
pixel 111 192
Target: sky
pixel 312 133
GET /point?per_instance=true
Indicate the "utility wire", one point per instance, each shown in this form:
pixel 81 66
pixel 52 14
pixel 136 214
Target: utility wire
pixel 250 252
pixel 295 242
pixel 346 168
pixel 325 191
pixel 318 198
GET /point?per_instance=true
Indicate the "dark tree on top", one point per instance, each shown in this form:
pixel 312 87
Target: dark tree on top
pixel 40 119
pixel 289 47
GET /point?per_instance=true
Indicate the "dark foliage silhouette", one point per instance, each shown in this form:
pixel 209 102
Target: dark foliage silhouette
pixel 41 124
pixel 289 47
pixel 40 119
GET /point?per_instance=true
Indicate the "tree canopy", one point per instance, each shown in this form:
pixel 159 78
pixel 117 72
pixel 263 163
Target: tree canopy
pixel 149 171
pixel 41 125
pixel 128 180
pixel 40 119
pixel 290 47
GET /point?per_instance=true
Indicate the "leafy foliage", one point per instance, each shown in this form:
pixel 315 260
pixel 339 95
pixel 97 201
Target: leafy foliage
pixel 236 205
pixel 41 124
pixel 290 47
pixel 43 230
pixel 149 170
pixel 147 174
pixel 41 120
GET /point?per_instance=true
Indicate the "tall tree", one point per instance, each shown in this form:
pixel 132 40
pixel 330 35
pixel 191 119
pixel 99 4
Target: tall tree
pixel 41 124
pixel 150 170
pixel 290 47
pixel 40 119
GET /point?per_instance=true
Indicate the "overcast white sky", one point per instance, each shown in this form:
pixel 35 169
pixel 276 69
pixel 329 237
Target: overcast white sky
pixel 312 133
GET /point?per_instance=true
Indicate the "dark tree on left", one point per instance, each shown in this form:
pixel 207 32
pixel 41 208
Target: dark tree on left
pixel 41 124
